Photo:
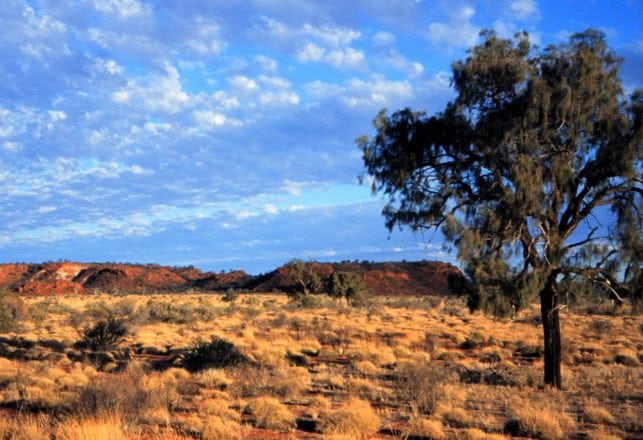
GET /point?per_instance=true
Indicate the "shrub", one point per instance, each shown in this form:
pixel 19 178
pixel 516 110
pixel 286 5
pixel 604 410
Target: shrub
pixel 12 311
pixel 421 385
pixel 539 422
pixel 230 295
pixel 280 382
pixel 217 353
pixel 171 313
pixel 424 428
pixel 354 418
pixel 349 285
pixel 131 394
pixel 269 413
pixel 104 334
pixel 103 428
pixel 598 414
pixel 218 428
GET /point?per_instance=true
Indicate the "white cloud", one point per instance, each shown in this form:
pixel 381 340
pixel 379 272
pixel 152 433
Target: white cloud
pixel 293 188
pixel 11 146
pixel 243 83
pixel 384 38
pixel 377 91
pixel 108 66
pixel 275 81
pixel 347 58
pixel 279 98
pixel 209 118
pixel 524 9
pixel 57 115
pixel 122 8
pixel 206 38
pixel 225 100
pixel 121 96
pixel 271 209
pixel 310 52
pixel 266 63
pixel 456 33
pixel 330 36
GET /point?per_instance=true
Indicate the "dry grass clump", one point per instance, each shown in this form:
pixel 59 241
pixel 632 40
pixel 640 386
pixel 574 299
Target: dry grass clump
pixel 354 418
pixel 280 382
pixel 457 417
pixel 26 428
pixel 93 428
pixel 540 422
pixel 598 414
pixel 601 434
pixel 213 378
pixel 269 413
pixel 220 428
pixel 425 428
pixel 219 408
pixel 477 434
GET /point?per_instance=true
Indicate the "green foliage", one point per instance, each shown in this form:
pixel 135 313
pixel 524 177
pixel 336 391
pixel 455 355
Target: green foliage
pixel 347 284
pixel 515 170
pixel 305 279
pixel 104 334
pixel 13 311
pixel 217 353
pixel 231 295
pixel 518 169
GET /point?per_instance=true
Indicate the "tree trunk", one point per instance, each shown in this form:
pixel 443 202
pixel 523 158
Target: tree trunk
pixel 551 328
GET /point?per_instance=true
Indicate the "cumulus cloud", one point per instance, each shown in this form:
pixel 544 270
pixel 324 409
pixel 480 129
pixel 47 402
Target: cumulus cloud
pixel 524 9
pixel 456 33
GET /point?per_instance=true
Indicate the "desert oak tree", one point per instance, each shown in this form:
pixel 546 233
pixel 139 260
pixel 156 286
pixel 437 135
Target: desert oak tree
pixel 532 173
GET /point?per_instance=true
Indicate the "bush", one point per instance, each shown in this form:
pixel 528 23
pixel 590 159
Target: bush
pixel 354 418
pixel 230 295
pixel 424 428
pixel 349 285
pixel 12 311
pixel 104 334
pixel 421 385
pixel 217 353
pixel 218 428
pixel 269 413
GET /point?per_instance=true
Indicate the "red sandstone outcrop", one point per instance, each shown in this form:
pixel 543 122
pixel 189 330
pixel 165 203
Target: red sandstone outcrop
pixel 64 278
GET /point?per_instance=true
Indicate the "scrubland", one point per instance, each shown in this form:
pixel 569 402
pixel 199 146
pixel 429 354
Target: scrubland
pixel 393 368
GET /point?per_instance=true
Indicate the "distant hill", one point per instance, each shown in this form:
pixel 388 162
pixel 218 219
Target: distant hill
pixel 64 278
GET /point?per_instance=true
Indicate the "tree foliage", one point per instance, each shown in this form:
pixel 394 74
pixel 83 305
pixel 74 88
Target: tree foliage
pixel 347 284
pixel 531 173
pixel 305 279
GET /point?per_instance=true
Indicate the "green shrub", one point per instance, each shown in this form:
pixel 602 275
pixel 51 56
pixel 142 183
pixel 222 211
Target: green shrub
pixel 217 353
pixel 104 334
pixel 13 311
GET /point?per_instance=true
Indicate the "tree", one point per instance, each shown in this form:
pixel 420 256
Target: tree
pixel 531 173
pixel 305 279
pixel 347 284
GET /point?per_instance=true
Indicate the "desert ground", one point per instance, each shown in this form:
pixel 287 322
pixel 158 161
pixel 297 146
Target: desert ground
pixel 393 368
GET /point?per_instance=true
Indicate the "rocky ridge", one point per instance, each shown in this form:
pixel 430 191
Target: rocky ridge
pixel 65 278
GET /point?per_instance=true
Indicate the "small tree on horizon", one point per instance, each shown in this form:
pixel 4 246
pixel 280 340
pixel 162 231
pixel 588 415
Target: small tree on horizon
pixel 532 173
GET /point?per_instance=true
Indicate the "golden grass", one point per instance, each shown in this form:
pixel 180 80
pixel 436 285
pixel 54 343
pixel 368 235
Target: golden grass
pixel 269 413
pixel 354 418
pixel 98 428
pixel 347 354
pixel 597 414
pixel 426 428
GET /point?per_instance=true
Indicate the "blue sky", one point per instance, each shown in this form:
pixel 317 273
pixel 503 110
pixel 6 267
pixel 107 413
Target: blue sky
pixel 221 133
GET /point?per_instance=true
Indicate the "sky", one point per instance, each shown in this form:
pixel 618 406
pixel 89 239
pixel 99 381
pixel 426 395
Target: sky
pixel 220 134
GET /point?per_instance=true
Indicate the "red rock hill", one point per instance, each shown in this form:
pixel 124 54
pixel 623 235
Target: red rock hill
pixel 64 278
